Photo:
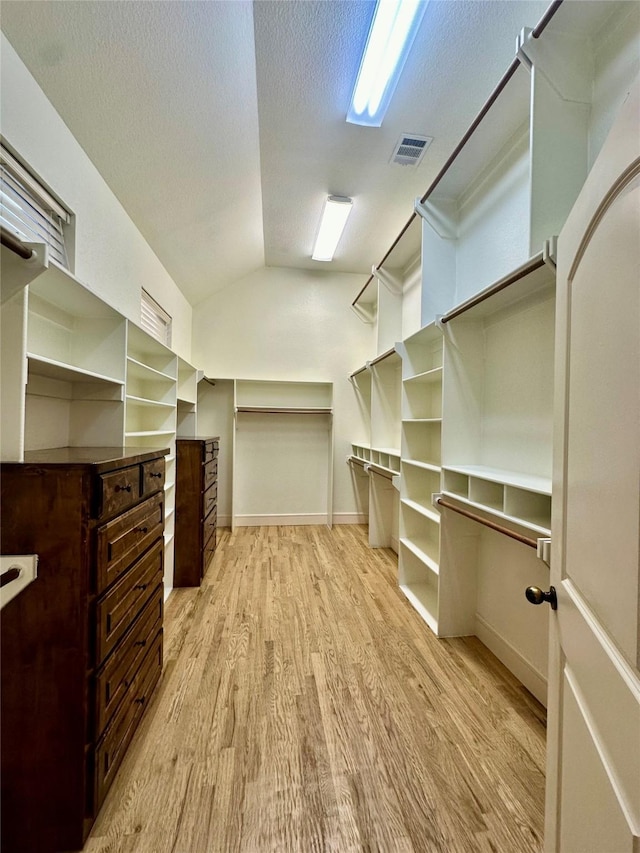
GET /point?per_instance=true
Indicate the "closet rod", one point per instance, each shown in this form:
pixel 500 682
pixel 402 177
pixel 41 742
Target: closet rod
pixel 539 28
pixel 496 288
pixel 532 543
pixel 384 355
pixel 511 70
pixel 264 410
pixel 15 245
pixel 357 372
pixel 366 285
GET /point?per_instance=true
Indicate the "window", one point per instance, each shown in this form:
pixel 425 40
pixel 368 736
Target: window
pixel 154 319
pixel 29 211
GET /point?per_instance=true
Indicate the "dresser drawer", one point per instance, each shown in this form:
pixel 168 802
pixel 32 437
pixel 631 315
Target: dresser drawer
pixel 116 676
pixel 116 610
pixel 210 450
pixel 110 751
pixel 152 476
pixel 209 525
pixel 210 472
pixel 209 500
pixel 118 490
pixel 121 541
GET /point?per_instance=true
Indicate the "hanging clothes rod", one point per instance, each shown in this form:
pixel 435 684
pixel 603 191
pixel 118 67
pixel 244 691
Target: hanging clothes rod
pixel 284 410
pixel 15 245
pixel 525 540
pixel 384 355
pixel 358 372
pixel 539 28
pixel 525 269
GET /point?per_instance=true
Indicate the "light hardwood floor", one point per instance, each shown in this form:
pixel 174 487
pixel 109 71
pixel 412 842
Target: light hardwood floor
pixel 306 707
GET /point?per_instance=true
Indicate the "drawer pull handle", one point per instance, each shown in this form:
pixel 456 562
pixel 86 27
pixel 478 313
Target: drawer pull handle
pixel 140 643
pixel 123 488
pixel 140 701
pixel 141 529
pixel 141 586
pixel 158 474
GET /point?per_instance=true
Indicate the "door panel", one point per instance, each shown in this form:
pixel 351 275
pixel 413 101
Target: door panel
pixel 593 772
pixel 602 497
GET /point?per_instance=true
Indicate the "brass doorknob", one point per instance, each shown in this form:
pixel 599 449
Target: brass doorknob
pixel 537 596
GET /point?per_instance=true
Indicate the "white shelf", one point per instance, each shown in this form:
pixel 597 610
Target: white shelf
pixel 426 378
pixel 139 370
pixel 426 466
pixel 41 366
pixel 148 433
pixel 528 482
pixel 145 401
pixel 428 511
pixel 424 598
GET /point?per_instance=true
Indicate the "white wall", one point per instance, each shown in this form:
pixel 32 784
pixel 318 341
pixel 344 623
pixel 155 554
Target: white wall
pixel 293 325
pixel 111 258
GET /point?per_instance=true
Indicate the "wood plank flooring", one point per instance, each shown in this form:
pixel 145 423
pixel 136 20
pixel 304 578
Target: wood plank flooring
pixel 306 707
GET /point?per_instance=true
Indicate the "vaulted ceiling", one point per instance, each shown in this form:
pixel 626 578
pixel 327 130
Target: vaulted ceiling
pixel 220 124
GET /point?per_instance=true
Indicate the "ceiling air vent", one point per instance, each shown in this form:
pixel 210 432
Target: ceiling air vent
pixel 410 149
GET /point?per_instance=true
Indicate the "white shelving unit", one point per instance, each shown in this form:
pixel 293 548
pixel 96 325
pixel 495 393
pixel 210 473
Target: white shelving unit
pixel 76 373
pixel 282 452
pixel 478 374
pixel 150 415
pixel 74 348
pixel 419 555
pixel 187 400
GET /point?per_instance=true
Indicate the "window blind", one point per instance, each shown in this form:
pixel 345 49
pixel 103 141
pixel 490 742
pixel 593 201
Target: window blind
pixel 28 210
pixel 154 319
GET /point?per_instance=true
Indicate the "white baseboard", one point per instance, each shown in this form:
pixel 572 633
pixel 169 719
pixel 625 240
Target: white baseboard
pixel 350 518
pixel 524 671
pixel 395 544
pixel 280 520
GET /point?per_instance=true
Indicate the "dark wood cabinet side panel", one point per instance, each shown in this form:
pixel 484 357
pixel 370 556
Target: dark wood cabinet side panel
pixel 196 488
pixel 43 681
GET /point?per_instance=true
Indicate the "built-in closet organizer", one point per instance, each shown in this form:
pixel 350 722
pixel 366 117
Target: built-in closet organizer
pixel 379 386
pixel 419 554
pixel 479 429
pixel 282 452
pixel 390 302
pixel 196 508
pixel 82 644
pixel 76 373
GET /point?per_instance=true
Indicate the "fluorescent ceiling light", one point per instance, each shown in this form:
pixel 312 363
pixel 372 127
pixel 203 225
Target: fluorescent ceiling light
pixel 393 29
pixel 335 213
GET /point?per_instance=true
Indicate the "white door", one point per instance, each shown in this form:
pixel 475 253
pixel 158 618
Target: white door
pixel 593 779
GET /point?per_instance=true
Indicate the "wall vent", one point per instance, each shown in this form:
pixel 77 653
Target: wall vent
pixel 410 149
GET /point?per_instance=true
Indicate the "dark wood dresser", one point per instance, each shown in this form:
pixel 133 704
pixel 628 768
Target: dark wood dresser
pixel 82 644
pixel 196 508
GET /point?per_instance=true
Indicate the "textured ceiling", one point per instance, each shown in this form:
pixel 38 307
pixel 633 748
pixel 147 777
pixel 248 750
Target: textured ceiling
pixel 220 125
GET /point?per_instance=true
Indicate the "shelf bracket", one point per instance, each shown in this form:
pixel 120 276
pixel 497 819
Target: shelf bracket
pixel 363 315
pixel 390 281
pixel 544 551
pixel 550 253
pixel 441 218
pixel 563 59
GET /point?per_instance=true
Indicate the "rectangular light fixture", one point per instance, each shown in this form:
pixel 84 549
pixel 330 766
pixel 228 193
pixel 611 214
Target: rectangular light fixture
pixel 393 29
pixel 335 213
